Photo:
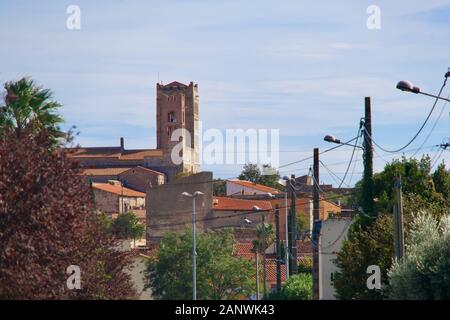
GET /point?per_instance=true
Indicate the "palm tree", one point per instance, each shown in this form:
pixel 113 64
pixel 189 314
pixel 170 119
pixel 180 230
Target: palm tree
pixel 28 106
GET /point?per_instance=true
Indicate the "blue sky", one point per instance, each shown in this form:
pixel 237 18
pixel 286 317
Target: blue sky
pixel 301 67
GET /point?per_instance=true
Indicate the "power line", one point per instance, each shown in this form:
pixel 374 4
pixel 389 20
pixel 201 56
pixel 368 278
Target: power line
pixel 434 126
pixel 240 213
pixel 420 129
pixel 310 157
pixel 351 158
pixel 354 167
pixel 358 160
pixel 332 174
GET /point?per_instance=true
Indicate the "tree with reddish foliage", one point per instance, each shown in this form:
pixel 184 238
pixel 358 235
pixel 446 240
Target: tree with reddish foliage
pixel 48 223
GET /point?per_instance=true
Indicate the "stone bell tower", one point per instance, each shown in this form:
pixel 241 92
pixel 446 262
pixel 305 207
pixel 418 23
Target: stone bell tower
pixel 177 108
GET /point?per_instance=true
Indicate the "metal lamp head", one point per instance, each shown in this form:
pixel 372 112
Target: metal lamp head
pixel 407 86
pixel 331 138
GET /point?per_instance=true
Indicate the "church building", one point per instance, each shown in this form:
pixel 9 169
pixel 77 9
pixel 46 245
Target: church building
pixel 176 108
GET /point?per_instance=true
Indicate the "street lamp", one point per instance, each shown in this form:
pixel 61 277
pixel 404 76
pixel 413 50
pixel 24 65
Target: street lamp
pixel 407 86
pixel 249 222
pixel 283 182
pixel 194 244
pixel 332 139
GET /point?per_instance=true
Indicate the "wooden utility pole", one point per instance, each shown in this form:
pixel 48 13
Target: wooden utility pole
pixel 398 221
pixel 277 235
pixel 257 273
pixel 367 184
pixel 264 254
pixel 293 268
pixel 316 230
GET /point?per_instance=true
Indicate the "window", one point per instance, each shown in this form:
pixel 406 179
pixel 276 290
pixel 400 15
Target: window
pixel 172 117
pixel 169 131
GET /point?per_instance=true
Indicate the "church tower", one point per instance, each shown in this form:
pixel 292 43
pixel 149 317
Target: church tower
pixel 177 108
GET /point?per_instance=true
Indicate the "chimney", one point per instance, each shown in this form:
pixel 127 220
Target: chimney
pixel 122 144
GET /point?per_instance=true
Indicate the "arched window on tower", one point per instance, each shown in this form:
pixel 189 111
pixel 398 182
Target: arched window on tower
pixel 172 117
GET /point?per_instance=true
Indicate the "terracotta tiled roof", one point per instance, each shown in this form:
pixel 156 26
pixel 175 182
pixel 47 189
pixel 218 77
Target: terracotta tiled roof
pixel 113 152
pixel 140 154
pixel 244 250
pixel 255 186
pixel 304 248
pixel 117 189
pixel 271 271
pixel 234 204
pixel 146 170
pixel 101 152
pixel 104 171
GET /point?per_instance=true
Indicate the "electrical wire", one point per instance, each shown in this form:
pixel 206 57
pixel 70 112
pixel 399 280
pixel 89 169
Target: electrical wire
pixel 310 157
pixel 354 167
pixel 332 174
pixel 420 129
pixel 434 126
pixel 250 212
pixel 351 158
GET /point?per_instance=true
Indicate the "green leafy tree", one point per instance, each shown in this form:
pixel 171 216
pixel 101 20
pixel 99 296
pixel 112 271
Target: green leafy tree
pixel 302 223
pixel 424 273
pixel 441 180
pixel 268 177
pixel 364 247
pixel 220 273
pixel 105 222
pixel 298 287
pixel 416 179
pixel 219 187
pixel 28 105
pixel 374 246
pixel 127 226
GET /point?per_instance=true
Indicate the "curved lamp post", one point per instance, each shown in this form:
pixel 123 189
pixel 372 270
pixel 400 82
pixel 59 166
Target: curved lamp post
pixel 333 139
pixel 194 244
pixel 408 86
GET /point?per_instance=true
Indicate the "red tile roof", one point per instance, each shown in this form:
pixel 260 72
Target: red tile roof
pixel 104 171
pixel 113 152
pixel 244 250
pixel 140 154
pixel 117 189
pixel 100 152
pixel 255 186
pixel 234 204
pixel 147 170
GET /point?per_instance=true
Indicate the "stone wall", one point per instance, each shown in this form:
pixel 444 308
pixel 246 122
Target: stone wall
pixel 169 211
pixel 141 179
pixel 106 202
